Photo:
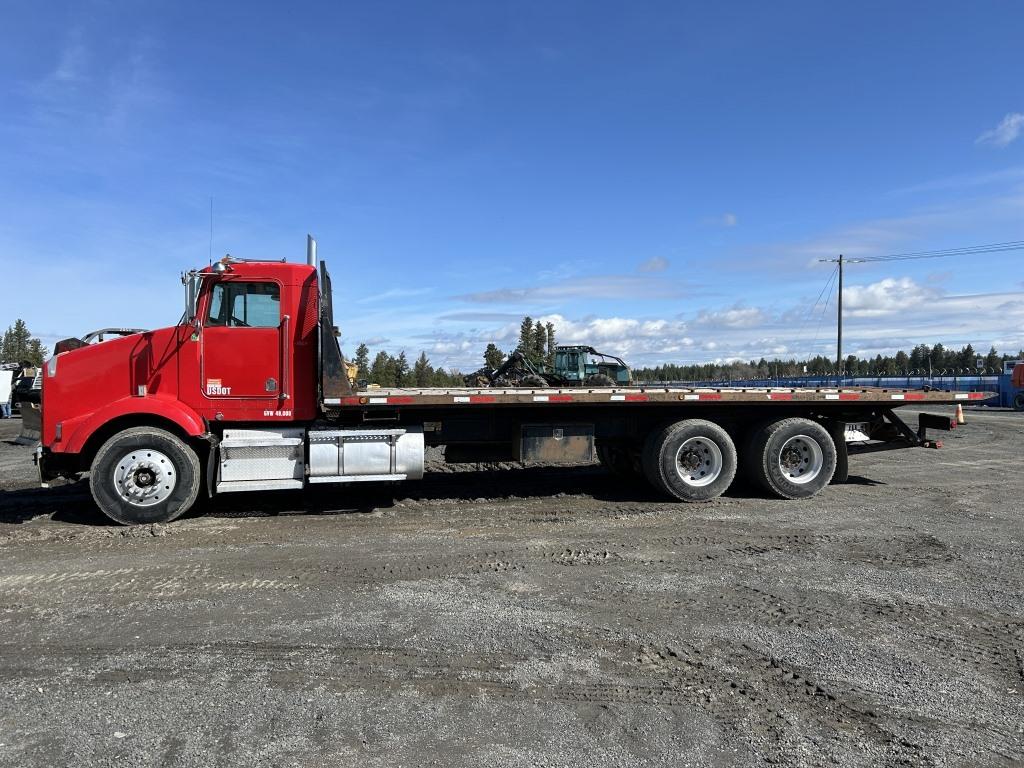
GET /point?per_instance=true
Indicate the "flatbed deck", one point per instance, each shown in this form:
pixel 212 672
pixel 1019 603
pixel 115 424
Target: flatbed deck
pixel 433 397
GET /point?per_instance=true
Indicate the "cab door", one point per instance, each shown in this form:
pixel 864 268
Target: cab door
pixel 242 345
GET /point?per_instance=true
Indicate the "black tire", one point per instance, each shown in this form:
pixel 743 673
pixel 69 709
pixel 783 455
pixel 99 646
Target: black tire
pixel 150 457
pixel 532 381
pixel 791 458
pixel 842 471
pixel 599 380
pixel 619 460
pixel 675 459
pixel 1018 402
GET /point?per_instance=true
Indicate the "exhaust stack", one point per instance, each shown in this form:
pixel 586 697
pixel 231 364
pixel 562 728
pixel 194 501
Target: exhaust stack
pixel 310 251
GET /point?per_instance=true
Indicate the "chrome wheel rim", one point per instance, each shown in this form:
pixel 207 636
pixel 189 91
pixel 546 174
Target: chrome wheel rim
pixel 801 459
pixel 699 461
pixel 144 477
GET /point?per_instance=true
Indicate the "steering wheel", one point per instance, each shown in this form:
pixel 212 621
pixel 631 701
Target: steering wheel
pixel 239 323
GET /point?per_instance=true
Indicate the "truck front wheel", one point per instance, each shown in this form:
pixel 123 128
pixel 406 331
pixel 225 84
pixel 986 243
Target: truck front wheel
pixel 792 458
pixel 144 475
pixel 693 460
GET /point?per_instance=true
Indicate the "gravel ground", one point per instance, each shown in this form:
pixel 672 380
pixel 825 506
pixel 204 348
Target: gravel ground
pixel 540 616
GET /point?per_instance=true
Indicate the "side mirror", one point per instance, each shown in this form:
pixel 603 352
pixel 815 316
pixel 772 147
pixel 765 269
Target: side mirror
pixel 192 282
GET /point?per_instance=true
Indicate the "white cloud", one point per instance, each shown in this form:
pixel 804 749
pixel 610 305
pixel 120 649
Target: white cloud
pixel 963 181
pixel 393 293
pixel 1005 133
pixel 71 64
pixel 880 317
pixel 735 317
pixel 885 297
pixel 592 287
pixel 727 219
pixel 654 264
pixel 932 227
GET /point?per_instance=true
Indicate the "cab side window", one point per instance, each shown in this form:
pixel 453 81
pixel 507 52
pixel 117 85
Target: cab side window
pixel 245 305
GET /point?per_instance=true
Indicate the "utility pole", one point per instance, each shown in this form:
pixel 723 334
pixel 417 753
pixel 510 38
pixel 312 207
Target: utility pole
pixel 1016 245
pixel 839 315
pixel 839 337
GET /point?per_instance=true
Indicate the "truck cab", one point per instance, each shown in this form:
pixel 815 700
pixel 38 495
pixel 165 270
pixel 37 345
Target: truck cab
pixel 246 349
pixel 581 363
pixel 255 347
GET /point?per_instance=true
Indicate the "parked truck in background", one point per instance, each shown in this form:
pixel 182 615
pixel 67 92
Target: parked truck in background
pixel 250 392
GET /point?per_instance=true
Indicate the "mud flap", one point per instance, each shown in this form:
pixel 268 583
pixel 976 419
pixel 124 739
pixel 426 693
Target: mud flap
pixel 31 424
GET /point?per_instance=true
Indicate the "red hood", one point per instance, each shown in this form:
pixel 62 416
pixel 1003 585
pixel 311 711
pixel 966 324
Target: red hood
pixel 90 378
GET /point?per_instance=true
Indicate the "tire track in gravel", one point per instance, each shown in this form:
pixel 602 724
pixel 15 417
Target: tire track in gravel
pixel 173 581
pixel 773 697
pixel 744 692
pixel 985 644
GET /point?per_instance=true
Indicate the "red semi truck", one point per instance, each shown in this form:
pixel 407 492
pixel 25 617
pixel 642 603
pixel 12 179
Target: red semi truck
pixel 248 392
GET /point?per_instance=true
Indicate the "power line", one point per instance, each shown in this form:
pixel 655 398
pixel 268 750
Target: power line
pixel 971 250
pixel 1012 245
pixel 810 313
pixel 824 309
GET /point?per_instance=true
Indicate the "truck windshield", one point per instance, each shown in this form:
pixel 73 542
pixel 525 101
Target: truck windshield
pixel 245 305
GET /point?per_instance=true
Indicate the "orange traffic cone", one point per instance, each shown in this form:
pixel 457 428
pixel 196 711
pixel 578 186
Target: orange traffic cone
pixel 960 414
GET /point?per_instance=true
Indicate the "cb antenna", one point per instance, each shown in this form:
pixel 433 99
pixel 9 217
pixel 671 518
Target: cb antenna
pixel 211 229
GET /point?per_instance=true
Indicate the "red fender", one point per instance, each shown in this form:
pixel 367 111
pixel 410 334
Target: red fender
pixel 77 433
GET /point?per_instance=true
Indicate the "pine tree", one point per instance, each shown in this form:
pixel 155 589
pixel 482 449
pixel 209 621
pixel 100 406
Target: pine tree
pixel 993 362
pixel 540 339
pixel 362 361
pixel 422 371
pixel 550 329
pixel 36 353
pixel 401 370
pixel 526 336
pixel 493 357
pixel 7 347
pixel 381 370
pixel 19 345
pixel 967 358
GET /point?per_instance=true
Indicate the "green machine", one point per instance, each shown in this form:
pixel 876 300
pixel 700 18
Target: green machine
pixel 579 365
pixel 574 366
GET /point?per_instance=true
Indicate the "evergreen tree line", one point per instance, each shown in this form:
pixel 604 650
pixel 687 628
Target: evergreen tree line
pixel 536 341
pixel 19 345
pixel 394 371
pixel 922 360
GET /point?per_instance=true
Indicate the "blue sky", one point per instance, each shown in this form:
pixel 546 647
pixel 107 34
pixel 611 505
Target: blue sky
pixel 657 178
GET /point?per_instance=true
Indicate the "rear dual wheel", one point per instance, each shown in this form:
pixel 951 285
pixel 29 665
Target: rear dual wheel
pixel 791 458
pixel 692 460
